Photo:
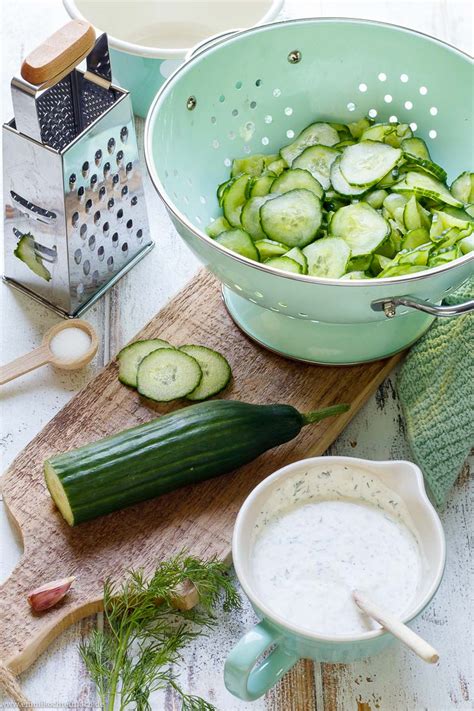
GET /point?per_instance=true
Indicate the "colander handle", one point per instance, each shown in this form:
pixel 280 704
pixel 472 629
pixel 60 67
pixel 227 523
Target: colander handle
pixel 208 42
pixel 389 306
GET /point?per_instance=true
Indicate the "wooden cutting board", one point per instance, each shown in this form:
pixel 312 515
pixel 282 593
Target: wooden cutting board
pixel 199 517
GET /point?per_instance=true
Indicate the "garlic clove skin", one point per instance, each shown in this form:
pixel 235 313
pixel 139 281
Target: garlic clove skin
pixel 48 595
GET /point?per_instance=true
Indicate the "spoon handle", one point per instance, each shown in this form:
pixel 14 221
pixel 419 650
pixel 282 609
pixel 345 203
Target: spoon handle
pixel 399 630
pixel 23 364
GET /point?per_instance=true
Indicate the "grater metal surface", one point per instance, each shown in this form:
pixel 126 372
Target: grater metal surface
pixel 73 188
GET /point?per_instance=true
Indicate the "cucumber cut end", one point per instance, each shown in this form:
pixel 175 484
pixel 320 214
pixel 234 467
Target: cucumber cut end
pixel 58 494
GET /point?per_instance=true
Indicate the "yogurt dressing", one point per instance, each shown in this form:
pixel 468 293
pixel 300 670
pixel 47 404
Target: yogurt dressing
pixel 307 559
pixel 70 343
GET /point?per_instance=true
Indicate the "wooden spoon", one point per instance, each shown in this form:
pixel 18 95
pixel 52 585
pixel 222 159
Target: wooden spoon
pixel 413 641
pixel 42 355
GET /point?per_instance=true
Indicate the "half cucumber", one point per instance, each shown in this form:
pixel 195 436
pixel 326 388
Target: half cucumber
pixel 168 374
pixel 216 372
pixel 130 357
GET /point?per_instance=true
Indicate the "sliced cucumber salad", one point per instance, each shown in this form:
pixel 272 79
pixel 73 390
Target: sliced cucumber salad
pixel 357 201
pixel 163 373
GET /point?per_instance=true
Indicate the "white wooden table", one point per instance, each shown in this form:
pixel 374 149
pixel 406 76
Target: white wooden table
pixel 393 681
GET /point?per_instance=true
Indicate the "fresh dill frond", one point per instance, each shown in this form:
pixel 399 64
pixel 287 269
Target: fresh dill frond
pixel 144 634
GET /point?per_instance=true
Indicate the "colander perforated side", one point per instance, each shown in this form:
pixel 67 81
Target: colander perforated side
pixel 250 98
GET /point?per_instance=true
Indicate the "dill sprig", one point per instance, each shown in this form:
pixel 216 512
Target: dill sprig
pixel 144 634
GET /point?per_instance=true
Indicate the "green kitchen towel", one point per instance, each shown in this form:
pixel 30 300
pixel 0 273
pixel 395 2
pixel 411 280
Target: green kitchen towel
pixel 436 391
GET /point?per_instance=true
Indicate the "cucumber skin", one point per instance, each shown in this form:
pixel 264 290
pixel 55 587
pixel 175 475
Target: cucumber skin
pixel 184 447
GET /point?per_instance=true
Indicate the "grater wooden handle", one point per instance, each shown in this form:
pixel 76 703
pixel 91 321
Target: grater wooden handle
pixel 59 54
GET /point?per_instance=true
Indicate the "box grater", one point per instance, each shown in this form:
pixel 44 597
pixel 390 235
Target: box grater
pixel 74 209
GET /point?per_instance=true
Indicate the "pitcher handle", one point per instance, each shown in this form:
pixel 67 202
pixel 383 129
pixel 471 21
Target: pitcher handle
pixel 389 306
pixel 241 675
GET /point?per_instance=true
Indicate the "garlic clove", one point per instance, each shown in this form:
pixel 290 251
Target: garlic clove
pixel 48 595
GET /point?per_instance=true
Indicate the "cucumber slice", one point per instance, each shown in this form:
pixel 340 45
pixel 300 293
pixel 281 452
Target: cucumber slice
pixel 267 249
pixel 391 133
pixel 463 187
pixel 250 216
pixel 415 238
pixel 285 264
pixel 451 237
pixel 297 255
pixel 425 186
pixel 414 257
pixel 367 162
pixel 390 179
pixel 130 357
pixel 233 200
pixel 415 147
pixel 240 242
pixel 222 189
pixel 354 275
pixel 357 128
pixel 343 144
pixel 447 217
pixel 394 203
pixel 293 218
pixel 261 186
pixel 316 134
pixel 400 270
pixel 295 179
pixel 253 165
pixel 317 160
pixel 361 227
pixel 375 198
pixel 340 184
pixel 415 216
pixel 327 257
pixel 216 372
pixel 270 159
pixel 443 256
pixel 359 264
pixel 219 225
pixel 25 251
pixel 467 244
pixel 379 263
pixel 425 166
pixel 168 374
pixel 277 166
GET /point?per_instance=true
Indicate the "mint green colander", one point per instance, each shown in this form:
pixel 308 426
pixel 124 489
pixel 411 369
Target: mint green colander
pixel 254 92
